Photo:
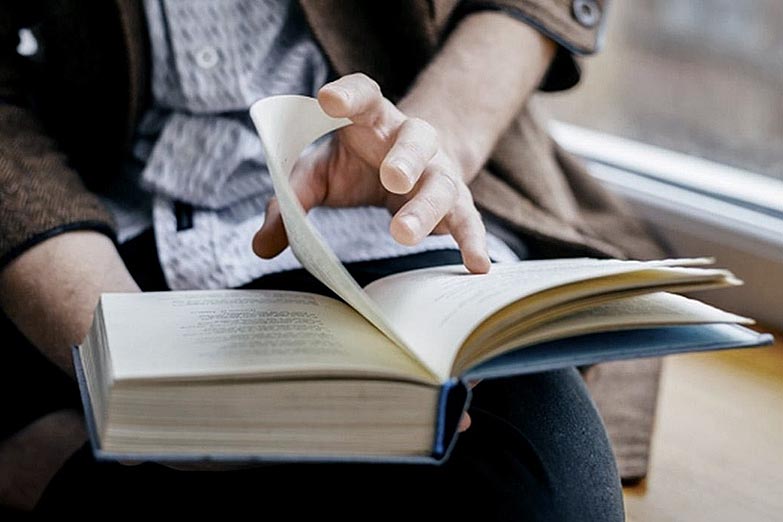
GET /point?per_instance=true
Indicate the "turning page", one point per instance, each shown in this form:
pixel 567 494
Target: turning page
pixel 287 125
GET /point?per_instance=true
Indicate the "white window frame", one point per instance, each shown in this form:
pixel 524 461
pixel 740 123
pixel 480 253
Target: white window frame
pixel 699 208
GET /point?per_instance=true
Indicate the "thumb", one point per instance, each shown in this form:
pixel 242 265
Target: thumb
pixel 271 238
pixel 309 185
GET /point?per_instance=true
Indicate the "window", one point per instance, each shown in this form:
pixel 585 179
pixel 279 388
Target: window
pixel 682 115
pixel 702 77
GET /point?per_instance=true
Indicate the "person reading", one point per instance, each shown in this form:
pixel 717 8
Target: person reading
pixel 128 163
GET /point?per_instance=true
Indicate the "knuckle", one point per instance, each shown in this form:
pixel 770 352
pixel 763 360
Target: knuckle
pixel 374 86
pixel 367 83
pixel 477 225
pixel 459 222
pixel 430 206
pixel 466 218
pixel 450 185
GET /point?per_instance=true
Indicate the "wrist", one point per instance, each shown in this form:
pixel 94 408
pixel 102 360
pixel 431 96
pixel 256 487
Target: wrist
pixel 481 78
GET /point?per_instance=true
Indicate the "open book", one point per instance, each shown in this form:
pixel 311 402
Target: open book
pixel 243 375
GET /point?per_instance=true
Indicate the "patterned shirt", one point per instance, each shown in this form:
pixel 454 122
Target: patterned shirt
pixel 198 174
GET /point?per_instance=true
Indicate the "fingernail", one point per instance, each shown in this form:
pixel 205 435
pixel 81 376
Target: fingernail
pixel 412 223
pixel 402 166
pixel 405 169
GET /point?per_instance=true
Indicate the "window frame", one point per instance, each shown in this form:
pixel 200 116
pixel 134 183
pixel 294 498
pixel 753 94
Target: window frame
pixel 698 208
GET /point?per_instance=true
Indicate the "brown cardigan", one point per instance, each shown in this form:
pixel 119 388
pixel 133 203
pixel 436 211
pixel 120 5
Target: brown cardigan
pixel 68 113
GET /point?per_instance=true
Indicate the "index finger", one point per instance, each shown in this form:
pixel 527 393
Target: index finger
pixel 467 228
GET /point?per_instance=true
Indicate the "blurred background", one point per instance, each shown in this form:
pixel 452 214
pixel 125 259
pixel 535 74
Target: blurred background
pixel 703 78
pixel 699 77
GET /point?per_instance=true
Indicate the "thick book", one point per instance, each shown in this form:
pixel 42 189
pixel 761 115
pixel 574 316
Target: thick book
pixel 380 374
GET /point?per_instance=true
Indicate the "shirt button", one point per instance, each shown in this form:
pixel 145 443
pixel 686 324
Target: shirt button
pixel 207 57
pixel 586 12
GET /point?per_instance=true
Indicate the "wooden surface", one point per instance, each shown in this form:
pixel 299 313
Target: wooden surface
pixel 717 450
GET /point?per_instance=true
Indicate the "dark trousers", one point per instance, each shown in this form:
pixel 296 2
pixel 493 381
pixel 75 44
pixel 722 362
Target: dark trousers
pixel 536 449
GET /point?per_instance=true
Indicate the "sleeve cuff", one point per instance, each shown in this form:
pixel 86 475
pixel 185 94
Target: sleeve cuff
pixel 19 249
pixel 564 71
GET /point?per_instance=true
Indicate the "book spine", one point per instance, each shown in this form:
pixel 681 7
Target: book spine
pixel 89 414
pixel 454 399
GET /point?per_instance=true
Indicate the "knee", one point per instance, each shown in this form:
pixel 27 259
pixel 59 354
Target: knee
pixel 551 443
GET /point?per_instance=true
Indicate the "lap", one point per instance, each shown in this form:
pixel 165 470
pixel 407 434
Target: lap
pixel 536 450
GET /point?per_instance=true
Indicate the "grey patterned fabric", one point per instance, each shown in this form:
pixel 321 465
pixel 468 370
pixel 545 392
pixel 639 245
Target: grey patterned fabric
pixel 196 145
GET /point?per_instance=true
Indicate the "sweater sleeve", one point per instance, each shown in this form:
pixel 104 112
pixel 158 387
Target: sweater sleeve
pixel 576 26
pixel 40 195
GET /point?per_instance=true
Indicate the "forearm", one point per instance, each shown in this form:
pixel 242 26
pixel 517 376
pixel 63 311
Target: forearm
pixel 50 291
pixel 477 83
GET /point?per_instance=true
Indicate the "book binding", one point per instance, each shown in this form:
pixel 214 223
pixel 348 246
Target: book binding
pixel 455 395
pixel 454 399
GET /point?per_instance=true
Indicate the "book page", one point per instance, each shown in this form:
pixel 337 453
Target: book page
pixel 287 125
pixel 439 307
pixel 642 311
pixel 235 333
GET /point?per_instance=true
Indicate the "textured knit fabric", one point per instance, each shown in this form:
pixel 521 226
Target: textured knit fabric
pixel 211 61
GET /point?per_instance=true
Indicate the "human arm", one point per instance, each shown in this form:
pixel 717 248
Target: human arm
pixel 55 252
pixel 478 83
pixel 420 167
pixel 50 291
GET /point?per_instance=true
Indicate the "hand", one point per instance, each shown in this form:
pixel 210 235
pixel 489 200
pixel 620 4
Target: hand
pixel 464 422
pixel 384 159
